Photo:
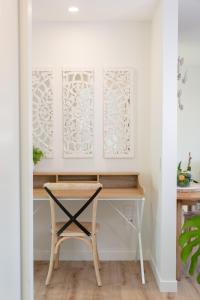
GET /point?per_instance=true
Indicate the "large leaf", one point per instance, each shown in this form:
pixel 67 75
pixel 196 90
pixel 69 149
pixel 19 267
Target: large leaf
pixel 189 241
pixel 193 222
pixel 186 236
pixel 188 249
pixel 194 261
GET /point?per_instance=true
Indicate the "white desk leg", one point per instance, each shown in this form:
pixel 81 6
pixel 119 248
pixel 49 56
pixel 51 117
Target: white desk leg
pixel 137 243
pixel 137 227
pixel 139 210
pixel 137 240
pixel 136 251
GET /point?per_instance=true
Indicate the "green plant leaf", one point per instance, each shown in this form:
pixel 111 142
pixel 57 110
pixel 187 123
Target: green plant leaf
pixel 192 222
pixel 194 261
pixel 37 155
pixel 198 278
pixel 186 236
pixel 187 250
pixel 189 241
pixel 179 166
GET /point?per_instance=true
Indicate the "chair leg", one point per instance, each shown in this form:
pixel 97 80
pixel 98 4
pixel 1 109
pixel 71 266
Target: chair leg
pixel 95 260
pixel 56 264
pixel 99 262
pixel 51 263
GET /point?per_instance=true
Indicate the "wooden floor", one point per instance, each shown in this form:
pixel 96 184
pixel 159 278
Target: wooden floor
pixel 121 281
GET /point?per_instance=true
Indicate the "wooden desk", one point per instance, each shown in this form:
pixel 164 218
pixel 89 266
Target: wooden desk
pixel 106 194
pixel 116 187
pixel 188 199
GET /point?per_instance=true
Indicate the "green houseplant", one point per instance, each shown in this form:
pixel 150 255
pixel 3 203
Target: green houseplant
pixel 37 155
pixel 189 242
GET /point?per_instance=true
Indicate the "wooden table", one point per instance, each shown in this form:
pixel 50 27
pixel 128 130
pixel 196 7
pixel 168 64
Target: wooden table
pixel 188 199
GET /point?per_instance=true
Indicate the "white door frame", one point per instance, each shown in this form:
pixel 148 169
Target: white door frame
pixel 25 20
pixel 26 165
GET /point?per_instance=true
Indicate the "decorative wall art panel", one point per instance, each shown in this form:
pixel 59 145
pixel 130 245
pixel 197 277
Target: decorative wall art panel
pixel 118 113
pixel 42 88
pixel 78 113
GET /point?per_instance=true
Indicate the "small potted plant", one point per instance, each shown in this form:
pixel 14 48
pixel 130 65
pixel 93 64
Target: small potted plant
pixel 184 177
pixel 37 155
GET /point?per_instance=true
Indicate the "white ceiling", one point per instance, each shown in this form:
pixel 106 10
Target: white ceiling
pixel 189 21
pixel 93 10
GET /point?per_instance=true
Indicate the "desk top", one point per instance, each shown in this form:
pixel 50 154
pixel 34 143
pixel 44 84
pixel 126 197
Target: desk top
pixel 189 196
pixel 105 194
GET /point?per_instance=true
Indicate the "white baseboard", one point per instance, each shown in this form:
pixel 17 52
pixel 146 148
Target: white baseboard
pixel 112 255
pixel 164 286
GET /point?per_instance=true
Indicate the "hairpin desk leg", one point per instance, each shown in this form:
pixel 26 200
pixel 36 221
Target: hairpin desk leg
pixel 137 227
pixel 139 212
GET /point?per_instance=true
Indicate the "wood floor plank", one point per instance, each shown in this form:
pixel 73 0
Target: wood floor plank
pixel 121 281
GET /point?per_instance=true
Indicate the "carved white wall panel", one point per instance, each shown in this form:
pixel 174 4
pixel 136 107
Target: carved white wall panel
pixel 78 113
pixel 118 113
pixel 42 88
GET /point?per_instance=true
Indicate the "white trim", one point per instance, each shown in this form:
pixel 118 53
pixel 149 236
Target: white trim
pixel 163 285
pixel 26 163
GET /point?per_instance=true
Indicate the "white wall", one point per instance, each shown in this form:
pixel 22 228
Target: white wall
pixel 97 45
pixel 188 118
pixel 190 50
pixel 188 122
pixel 9 145
pixel 163 142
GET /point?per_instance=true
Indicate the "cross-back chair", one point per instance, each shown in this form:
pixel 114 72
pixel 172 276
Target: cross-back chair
pixel 72 228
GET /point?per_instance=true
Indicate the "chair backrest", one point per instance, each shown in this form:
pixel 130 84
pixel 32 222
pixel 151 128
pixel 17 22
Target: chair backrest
pixel 62 189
